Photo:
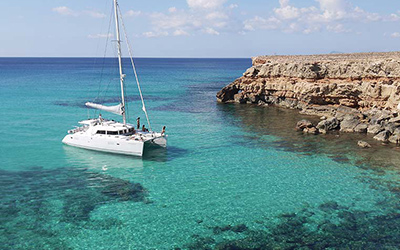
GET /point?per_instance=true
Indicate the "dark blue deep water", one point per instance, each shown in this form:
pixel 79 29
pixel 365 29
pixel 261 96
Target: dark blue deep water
pixel 232 177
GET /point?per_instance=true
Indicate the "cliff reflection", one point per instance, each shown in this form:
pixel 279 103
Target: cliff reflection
pixel 274 127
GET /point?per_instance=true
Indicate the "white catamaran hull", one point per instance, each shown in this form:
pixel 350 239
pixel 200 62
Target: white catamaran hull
pixel 105 143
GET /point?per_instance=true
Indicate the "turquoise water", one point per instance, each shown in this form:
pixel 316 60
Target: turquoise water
pixel 232 175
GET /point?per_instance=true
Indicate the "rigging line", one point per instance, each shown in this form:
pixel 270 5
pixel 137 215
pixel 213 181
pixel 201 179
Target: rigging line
pixel 105 54
pixel 134 69
pixel 106 89
pixel 113 71
pixel 98 40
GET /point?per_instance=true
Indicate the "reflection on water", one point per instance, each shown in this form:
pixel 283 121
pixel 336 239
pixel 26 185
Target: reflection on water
pixel 280 123
pixel 100 161
pixel 97 160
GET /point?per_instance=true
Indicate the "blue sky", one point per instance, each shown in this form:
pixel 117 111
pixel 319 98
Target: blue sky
pixel 200 28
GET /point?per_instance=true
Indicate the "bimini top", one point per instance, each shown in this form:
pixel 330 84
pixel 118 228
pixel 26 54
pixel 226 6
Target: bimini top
pixel 89 122
pixel 105 124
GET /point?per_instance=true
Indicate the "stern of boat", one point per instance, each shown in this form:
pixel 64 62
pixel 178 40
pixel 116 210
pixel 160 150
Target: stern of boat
pixel 160 141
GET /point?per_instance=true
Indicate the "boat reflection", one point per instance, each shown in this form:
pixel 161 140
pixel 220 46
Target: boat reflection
pixel 100 161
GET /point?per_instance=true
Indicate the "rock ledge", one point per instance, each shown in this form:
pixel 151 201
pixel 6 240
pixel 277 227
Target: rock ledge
pixel 362 91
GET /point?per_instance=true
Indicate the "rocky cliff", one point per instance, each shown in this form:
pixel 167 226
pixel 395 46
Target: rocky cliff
pixel 363 88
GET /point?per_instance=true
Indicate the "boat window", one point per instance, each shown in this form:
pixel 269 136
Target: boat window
pixel 102 132
pixel 112 132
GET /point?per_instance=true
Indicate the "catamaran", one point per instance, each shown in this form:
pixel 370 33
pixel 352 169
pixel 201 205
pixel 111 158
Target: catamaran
pixel 111 136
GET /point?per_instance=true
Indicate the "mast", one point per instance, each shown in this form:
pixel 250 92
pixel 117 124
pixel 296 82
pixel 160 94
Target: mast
pixel 121 75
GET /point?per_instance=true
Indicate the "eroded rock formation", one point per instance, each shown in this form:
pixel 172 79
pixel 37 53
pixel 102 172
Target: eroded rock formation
pixel 361 90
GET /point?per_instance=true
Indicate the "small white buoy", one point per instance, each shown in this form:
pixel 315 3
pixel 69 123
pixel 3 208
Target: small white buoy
pixel 104 168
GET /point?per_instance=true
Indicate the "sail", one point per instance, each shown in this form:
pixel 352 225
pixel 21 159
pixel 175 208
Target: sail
pixel 117 109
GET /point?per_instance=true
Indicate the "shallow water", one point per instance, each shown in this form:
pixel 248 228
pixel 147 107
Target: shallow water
pixel 232 175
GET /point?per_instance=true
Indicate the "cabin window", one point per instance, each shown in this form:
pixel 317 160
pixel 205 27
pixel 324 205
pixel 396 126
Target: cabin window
pixel 101 132
pixel 112 132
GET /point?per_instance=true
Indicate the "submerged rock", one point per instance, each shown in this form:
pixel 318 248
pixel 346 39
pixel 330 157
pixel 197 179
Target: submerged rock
pixel 237 228
pixel 301 125
pixel 122 190
pixel 201 243
pixel 84 190
pixel 341 227
pixel 312 130
pixel 363 144
pixel 41 202
pixel 307 127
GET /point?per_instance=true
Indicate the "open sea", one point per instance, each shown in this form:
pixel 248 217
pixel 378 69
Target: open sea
pixel 233 176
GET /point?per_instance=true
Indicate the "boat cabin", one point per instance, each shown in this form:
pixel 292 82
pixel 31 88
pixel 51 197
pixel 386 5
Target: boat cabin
pixel 112 131
pixel 113 128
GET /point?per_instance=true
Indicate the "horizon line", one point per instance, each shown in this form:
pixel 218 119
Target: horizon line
pixel 142 57
pixel 196 57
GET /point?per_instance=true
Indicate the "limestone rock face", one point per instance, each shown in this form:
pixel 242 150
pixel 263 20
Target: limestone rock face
pixel 382 136
pixel 361 128
pixel 362 81
pixel 395 138
pixel 348 125
pixel 331 123
pixel 361 90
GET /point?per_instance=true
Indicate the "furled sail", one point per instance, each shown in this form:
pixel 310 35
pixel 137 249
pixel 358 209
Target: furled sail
pixel 117 109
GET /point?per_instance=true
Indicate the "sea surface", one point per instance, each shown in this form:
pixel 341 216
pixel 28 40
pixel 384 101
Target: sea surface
pixel 232 177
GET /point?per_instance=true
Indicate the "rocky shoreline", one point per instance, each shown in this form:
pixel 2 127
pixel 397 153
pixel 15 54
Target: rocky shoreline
pixel 350 92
